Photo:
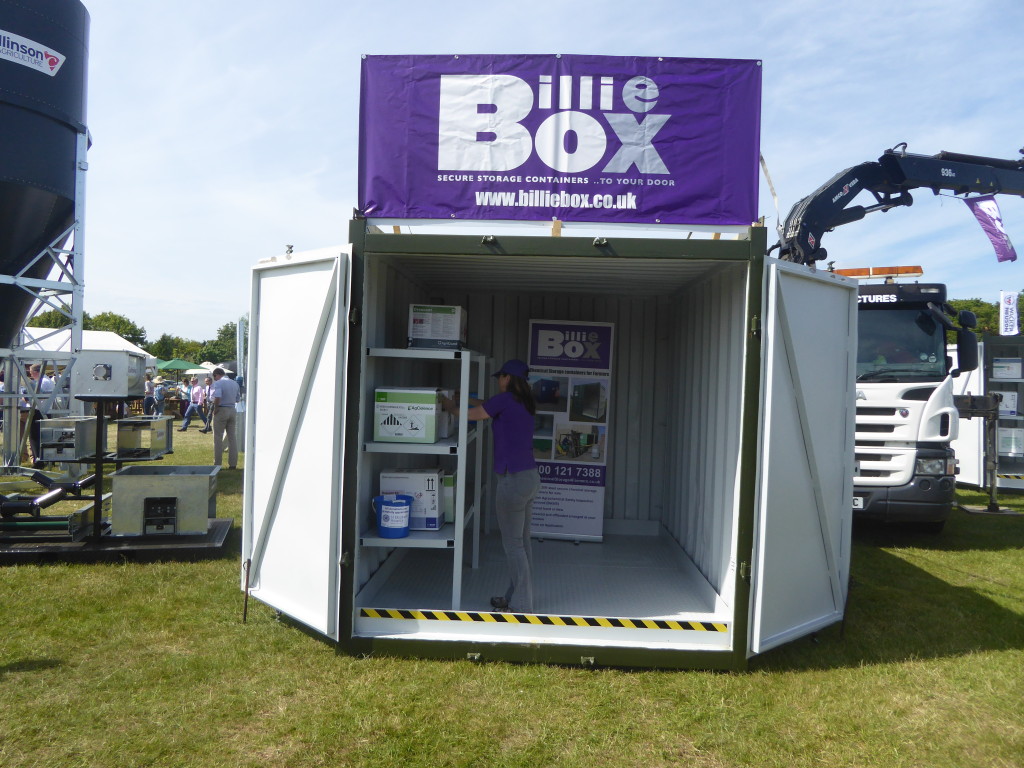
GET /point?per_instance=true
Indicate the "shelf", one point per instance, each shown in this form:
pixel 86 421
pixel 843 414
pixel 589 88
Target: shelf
pixel 442 539
pixel 419 354
pixel 446 446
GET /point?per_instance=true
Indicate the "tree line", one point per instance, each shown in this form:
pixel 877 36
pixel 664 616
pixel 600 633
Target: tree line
pixel 986 312
pixel 217 350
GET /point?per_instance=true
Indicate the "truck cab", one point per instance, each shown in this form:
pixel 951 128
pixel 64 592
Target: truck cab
pixel 906 420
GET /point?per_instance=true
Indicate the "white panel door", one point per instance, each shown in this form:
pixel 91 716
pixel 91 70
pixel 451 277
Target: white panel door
pixel 295 447
pixel 969 445
pixel 805 477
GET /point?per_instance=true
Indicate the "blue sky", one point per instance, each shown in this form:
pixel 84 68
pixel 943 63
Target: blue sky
pixel 225 130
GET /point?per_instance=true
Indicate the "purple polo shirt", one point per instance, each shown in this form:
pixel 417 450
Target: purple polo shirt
pixel 513 433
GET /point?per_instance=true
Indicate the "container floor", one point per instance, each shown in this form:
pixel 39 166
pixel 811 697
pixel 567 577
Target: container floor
pixel 623 576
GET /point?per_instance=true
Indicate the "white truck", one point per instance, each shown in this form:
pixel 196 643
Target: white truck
pixel 906 419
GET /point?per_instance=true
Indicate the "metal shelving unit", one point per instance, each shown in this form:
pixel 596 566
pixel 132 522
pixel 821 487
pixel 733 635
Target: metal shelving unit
pixel 466 446
pixel 1002 356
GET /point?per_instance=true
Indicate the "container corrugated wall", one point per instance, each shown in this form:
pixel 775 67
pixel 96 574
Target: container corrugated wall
pixel 711 340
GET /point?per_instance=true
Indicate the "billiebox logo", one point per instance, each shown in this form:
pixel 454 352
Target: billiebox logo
pixel 480 126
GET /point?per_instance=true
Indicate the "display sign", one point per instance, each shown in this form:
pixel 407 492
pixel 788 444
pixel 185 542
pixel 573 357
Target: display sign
pixel 570 375
pixel 574 138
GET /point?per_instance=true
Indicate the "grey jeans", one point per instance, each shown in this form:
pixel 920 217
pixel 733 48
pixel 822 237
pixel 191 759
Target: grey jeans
pixel 514 504
pixel 224 426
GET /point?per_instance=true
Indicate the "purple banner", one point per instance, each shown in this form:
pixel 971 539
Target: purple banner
pixel 577 138
pixel 986 211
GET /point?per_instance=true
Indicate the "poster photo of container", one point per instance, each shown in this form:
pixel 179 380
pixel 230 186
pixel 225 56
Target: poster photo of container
pixel 580 443
pixel 543 436
pixel 588 400
pixel 550 393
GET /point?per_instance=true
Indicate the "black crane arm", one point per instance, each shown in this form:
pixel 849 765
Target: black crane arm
pixel 890 180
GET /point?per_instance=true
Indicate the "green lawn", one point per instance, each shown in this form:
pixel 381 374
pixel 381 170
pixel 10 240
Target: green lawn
pixel 149 664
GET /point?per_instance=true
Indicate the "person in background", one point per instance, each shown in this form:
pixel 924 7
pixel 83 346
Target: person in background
pixel 225 397
pixel 512 411
pixel 208 401
pixel 183 397
pixel 43 386
pixel 148 401
pixel 159 396
pixel 195 406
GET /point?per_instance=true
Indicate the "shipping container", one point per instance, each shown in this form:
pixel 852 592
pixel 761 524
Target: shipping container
pixel 730 410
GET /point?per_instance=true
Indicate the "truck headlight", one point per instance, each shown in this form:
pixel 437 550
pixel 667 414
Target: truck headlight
pixel 933 467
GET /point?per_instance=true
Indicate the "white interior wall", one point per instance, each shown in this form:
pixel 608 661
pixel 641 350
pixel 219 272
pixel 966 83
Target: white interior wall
pixel 675 407
pixel 710 339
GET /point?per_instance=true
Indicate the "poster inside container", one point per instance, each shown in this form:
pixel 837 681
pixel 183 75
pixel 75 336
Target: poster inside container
pixel 625 139
pixel 570 376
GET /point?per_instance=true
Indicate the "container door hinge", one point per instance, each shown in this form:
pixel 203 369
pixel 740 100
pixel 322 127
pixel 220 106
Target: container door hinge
pixel 345 560
pixel 745 571
pixel 755 326
pixel 354 316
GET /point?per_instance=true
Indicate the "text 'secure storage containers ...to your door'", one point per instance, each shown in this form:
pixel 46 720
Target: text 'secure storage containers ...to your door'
pixel 727 507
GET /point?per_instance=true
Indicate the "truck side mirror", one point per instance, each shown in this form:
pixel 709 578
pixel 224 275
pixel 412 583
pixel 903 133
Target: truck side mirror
pixel 966 352
pixel 967 319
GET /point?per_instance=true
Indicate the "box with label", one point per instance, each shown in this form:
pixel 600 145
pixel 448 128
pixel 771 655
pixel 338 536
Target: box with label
pixel 1008 405
pixel 1006 368
pixel 425 487
pixel 406 415
pixel 435 326
pixel 1011 441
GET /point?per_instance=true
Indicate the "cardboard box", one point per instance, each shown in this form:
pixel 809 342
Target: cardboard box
pixel 406 415
pixel 425 487
pixel 1008 405
pixel 435 326
pixel 447 424
pixel 448 497
pixel 1006 368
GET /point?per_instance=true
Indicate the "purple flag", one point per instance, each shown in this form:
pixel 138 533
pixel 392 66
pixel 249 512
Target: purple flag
pixel 577 138
pixel 986 211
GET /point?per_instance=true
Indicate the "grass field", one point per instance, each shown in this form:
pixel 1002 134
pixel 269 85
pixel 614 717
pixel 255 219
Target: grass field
pixel 149 664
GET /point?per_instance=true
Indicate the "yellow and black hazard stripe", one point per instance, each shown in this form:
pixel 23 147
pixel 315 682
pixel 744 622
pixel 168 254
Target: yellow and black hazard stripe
pixel 541 620
pixel 1010 477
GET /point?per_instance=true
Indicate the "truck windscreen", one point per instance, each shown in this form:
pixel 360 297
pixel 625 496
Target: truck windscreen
pixel 904 344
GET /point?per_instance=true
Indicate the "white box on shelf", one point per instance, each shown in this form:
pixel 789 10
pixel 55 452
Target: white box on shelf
pixel 1008 405
pixel 1006 368
pixel 406 415
pixel 425 487
pixel 436 326
pixel 1011 441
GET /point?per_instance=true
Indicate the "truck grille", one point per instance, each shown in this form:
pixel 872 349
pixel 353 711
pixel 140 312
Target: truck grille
pixel 866 411
pixel 876 427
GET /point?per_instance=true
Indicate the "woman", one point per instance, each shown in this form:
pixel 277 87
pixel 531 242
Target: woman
pixel 159 396
pixel 512 411
pixel 148 400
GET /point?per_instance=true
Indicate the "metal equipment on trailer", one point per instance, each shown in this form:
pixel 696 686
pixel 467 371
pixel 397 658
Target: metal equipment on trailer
pixel 889 180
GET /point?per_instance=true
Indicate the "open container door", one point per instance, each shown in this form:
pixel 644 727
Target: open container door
pixel 805 479
pixel 291 528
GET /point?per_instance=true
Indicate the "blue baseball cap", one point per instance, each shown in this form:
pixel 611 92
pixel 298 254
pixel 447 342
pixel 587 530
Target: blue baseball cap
pixel 514 368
